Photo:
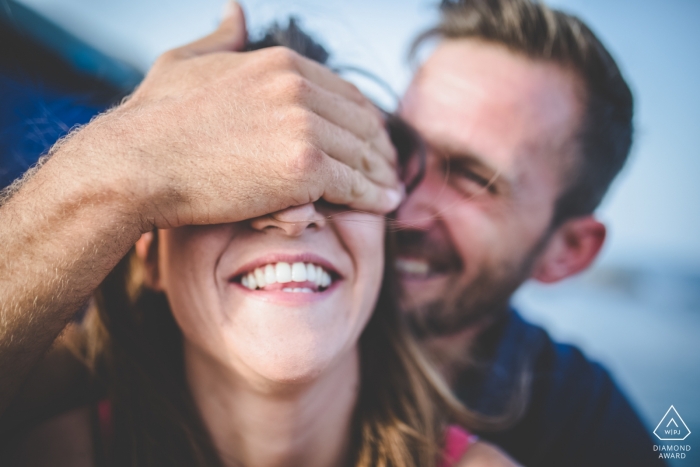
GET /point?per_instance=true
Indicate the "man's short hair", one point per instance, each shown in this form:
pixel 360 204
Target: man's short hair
pixel 539 32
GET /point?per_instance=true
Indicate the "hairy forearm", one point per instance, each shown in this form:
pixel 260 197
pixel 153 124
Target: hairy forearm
pixel 61 233
pixel 210 136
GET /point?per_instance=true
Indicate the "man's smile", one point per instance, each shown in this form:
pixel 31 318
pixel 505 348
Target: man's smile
pixel 425 255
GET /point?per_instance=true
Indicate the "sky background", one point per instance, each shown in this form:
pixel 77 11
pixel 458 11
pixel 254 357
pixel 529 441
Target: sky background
pixel 638 310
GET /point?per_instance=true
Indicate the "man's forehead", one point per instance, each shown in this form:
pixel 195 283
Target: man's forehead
pixel 494 103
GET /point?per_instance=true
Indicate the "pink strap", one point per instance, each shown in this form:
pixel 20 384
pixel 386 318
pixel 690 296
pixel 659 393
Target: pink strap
pixel 104 415
pixel 457 442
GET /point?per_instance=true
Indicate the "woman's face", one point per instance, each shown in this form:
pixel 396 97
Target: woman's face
pixel 279 297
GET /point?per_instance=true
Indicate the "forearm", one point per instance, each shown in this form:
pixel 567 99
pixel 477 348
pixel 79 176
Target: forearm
pixel 60 235
pixel 209 137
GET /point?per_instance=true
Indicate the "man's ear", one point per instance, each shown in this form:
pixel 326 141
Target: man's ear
pixel 570 249
pixel 147 252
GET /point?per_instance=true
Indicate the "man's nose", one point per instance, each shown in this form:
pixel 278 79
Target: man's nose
pixel 422 206
pixel 292 221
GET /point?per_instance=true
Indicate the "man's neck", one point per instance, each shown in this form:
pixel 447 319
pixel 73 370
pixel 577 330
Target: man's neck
pixel 269 425
pixel 452 353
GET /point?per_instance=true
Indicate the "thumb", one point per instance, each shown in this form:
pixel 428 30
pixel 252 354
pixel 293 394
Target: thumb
pixel 230 36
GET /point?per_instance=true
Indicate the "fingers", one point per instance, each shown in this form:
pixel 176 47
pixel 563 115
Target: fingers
pixel 341 103
pixel 230 36
pixel 327 79
pixel 364 124
pixel 348 186
pixel 344 146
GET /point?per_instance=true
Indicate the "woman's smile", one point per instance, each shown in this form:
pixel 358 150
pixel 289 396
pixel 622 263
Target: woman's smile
pixel 284 295
pixel 277 276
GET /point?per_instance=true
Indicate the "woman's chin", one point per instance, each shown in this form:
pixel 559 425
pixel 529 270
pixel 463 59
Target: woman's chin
pixel 267 340
pixel 288 375
pixel 282 366
pixel 290 350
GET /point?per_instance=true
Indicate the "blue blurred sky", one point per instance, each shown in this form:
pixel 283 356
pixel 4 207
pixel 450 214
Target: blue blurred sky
pixel 653 210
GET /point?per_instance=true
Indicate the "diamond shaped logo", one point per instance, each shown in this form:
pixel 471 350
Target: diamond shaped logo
pixel 672 427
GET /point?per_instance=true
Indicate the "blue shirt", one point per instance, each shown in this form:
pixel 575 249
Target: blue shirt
pixel 32 118
pixel 574 415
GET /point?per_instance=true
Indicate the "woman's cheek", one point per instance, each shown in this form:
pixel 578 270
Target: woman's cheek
pixel 187 260
pixel 364 235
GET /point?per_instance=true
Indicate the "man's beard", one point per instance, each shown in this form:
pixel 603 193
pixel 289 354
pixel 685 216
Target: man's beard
pixel 485 298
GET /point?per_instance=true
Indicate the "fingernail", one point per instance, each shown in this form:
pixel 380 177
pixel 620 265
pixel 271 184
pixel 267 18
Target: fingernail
pixel 228 10
pixel 394 198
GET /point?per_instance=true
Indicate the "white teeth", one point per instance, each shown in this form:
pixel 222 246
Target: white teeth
pixel 319 275
pixel 311 273
pixel 412 266
pixel 325 279
pixel 283 271
pixel 260 277
pixel 270 276
pixel 297 290
pixel 251 281
pixel 299 272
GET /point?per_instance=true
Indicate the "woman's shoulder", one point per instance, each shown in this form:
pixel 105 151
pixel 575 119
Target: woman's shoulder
pixel 64 440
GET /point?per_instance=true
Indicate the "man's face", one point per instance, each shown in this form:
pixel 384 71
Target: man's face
pixel 500 130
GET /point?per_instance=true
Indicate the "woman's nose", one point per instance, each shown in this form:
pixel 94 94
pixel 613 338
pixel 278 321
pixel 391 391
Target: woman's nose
pixel 292 221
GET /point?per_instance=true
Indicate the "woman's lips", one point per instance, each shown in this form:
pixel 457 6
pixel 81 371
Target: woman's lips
pixel 287 277
pixel 290 293
pixel 295 276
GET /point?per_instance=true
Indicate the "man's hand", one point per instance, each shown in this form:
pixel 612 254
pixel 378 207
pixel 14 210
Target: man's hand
pixel 215 136
pixel 210 136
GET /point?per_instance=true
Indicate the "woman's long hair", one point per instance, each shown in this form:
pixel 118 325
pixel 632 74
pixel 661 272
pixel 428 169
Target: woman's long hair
pixel 135 349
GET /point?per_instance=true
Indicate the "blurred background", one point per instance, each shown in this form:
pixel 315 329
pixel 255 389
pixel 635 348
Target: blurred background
pixel 637 311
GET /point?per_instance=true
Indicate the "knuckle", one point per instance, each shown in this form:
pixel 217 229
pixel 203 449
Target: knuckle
pixel 302 123
pixel 371 133
pixel 281 57
pixel 373 126
pixel 380 127
pixel 368 163
pixel 292 86
pixel 355 93
pixel 305 159
pixel 169 56
pixel 360 187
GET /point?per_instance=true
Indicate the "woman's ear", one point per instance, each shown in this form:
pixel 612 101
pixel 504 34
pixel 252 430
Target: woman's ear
pixel 147 252
pixel 571 249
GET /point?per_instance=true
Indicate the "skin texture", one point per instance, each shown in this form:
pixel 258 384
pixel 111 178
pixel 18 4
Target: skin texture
pixel 274 374
pixel 210 136
pixel 501 135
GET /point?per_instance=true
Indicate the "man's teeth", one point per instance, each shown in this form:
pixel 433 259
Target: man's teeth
pixel 412 266
pixel 285 272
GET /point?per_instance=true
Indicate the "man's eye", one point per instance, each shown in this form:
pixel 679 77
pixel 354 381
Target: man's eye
pixel 469 182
